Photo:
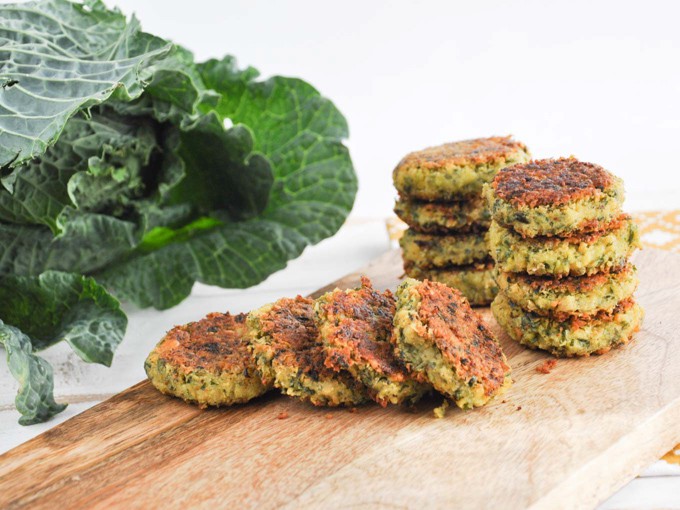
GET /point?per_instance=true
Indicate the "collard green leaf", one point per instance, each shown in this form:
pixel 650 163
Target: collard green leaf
pixel 301 133
pixel 314 187
pixel 58 58
pixel 56 306
pixel 35 399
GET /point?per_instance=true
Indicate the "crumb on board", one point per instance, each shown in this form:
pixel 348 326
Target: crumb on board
pixel 440 412
pixel 352 410
pixel 547 366
pixel 503 401
pixel 329 416
pixel 519 408
pixel 282 415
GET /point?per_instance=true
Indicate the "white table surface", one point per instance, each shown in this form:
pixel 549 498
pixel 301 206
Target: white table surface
pixel 358 242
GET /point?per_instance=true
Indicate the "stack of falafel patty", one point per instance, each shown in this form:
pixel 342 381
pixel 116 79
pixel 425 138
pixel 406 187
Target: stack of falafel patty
pixel 343 349
pixel 440 198
pixel 562 245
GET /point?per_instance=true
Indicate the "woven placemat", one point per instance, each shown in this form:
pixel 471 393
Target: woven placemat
pixel 658 229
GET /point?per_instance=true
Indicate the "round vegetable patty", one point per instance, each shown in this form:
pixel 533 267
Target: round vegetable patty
pixel 289 353
pixel 434 250
pixel 445 342
pixel 207 362
pixel 569 336
pixel 455 170
pixel 475 281
pixel 356 326
pixel 470 215
pixel 554 197
pixel 604 250
pixel 574 295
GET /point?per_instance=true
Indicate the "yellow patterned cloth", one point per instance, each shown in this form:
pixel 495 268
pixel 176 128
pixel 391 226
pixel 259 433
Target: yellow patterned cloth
pixel 658 229
pixel 661 229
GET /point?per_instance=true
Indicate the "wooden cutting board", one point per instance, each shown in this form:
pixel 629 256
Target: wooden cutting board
pixel 560 440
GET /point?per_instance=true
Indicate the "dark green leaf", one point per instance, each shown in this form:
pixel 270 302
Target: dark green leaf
pixel 35 399
pixel 56 306
pixel 87 242
pixel 221 172
pixel 301 133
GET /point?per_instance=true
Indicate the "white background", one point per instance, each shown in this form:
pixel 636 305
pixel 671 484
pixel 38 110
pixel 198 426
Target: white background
pixel 596 79
pixel 599 80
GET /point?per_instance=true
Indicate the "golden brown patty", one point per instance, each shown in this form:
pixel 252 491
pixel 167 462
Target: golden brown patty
pixel 573 295
pixel 564 335
pixel 289 352
pixel 445 342
pixel 207 362
pixel 554 197
pixel 442 250
pixel 605 249
pixel 356 326
pixel 475 281
pixel 455 170
pixel 444 217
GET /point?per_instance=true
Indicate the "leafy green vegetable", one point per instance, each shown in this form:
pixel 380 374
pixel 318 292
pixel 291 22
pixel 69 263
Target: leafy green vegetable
pixel 119 178
pixel 34 401
pixel 56 306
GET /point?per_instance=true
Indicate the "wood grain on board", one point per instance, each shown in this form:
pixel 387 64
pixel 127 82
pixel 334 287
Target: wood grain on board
pixel 564 439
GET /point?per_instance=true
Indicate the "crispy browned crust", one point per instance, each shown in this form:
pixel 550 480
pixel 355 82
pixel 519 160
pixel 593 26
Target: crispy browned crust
pixel 295 337
pixel 466 152
pixel 482 265
pixel 577 321
pixel 590 235
pixel 360 330
pixel 461 335
pixel 573 284
pixel 217 343
pixel 550 182
pixel 475 217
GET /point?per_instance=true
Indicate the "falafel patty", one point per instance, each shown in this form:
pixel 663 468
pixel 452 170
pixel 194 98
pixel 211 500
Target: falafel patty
pixel 574 295
pixel 207 362
pixel 475 281
pixel 289 353
pixel 443 341
pixel 554 197
pixel 455 170
pixel 603 250
pixel 433 250
pixel 356 326
pixel 566 336
pixel 442 217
